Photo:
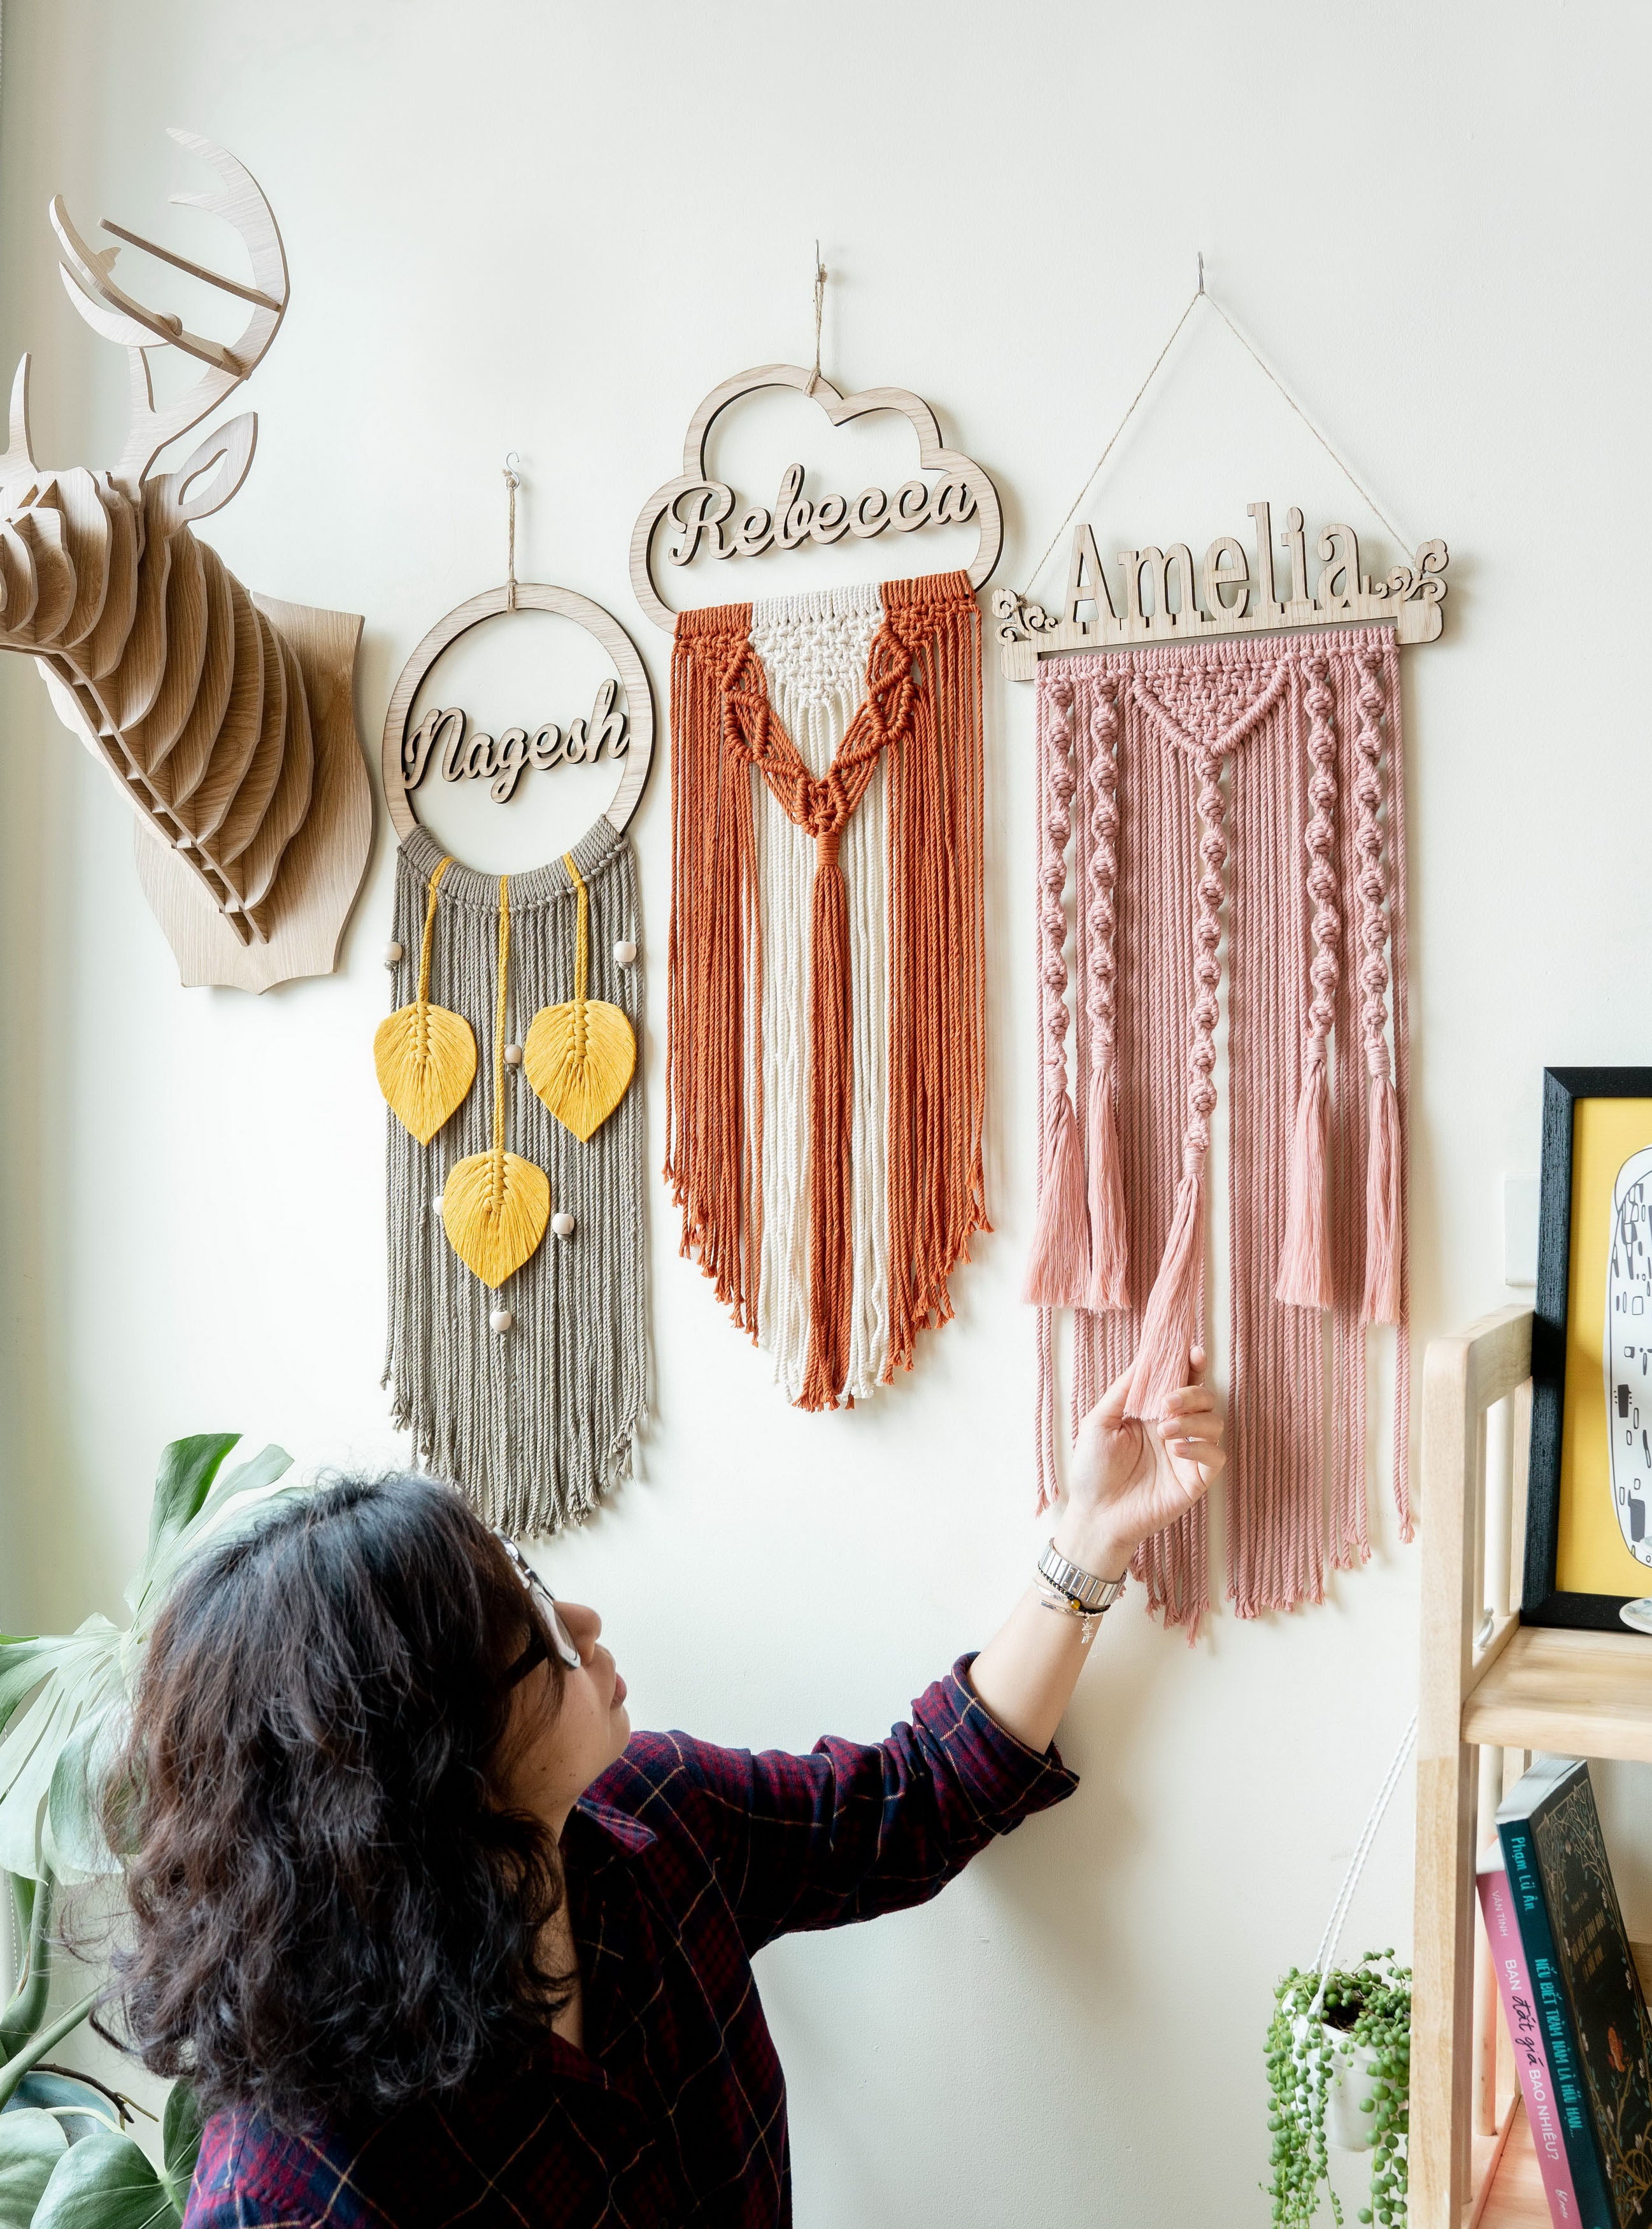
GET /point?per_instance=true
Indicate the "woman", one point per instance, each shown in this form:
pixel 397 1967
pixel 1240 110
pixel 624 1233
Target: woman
pixel 438 1939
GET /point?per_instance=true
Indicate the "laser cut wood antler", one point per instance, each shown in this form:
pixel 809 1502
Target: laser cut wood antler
pixel 118 316
pixel 226 718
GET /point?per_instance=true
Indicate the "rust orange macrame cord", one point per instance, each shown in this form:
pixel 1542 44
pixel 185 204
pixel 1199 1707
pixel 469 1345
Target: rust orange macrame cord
pixel 921 709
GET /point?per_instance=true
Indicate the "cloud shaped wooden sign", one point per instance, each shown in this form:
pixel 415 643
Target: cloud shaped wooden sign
pixel 703 515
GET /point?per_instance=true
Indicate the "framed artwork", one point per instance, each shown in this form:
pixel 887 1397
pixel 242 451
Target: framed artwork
pixel 1589 1501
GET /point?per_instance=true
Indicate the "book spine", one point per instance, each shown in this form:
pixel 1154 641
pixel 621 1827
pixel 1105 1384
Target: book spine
pixel 1595 2209
pixel 1531 2059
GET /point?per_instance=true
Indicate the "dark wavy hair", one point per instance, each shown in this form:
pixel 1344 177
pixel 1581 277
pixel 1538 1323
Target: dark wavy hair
pixel 334 1910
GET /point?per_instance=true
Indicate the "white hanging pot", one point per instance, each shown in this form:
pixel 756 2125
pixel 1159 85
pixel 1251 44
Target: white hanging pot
pixel 1354 2080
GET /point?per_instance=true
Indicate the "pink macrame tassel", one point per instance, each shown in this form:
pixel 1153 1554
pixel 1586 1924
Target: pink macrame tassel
pixel 1109 1245
pixel 1381 1301
pixel 1059 1267
pixel 1304 1279
pixel 1170 1326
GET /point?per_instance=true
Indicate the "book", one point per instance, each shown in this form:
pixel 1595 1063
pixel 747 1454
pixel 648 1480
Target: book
pixel 1596 2032
pixel 1526 2037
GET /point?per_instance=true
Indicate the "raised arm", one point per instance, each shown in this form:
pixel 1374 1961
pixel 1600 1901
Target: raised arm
pixel 852 1828
pixel 1126 1482
pixel 856 1828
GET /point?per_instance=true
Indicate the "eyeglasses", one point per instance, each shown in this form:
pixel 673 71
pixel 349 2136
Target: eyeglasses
pixel 536 1652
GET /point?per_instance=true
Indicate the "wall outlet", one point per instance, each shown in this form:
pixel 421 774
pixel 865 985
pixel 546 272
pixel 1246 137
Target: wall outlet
pixel 1520 1230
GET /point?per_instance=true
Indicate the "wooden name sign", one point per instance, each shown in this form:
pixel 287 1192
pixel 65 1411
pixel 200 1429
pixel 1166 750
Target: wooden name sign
pixel 442 738
pixel 700 511
pixel 621 725
pixel 705 516
pixel 1233 593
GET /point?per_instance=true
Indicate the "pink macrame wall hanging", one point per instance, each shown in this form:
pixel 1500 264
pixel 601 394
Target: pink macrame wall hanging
pixel 1243 791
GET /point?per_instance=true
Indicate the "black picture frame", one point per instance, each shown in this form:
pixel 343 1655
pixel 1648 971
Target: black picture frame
pixel 1543 1603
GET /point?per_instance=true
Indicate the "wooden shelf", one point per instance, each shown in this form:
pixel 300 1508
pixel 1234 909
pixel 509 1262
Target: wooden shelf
pixel 1514 2197
pixel 1583 1694
pixel 1480 1712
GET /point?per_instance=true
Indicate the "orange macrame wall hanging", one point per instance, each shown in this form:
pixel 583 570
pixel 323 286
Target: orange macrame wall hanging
pixel 826 1017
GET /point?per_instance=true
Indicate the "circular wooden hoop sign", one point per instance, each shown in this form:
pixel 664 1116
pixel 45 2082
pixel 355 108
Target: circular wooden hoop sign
pixel 531 596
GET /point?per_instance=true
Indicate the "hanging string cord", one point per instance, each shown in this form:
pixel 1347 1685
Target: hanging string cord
pixel 819 306
pixel 1341 463
pixel 582 944
pixel 1202 293
pixel 443 866
pixel 1338 1920
pixel 1112 442
pixel 512 481
pixel 498 1039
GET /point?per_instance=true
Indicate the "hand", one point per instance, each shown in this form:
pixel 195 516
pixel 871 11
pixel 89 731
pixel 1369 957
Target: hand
pixel 1129 1479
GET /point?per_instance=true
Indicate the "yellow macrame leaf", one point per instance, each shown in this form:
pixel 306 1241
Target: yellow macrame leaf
pixel 578 1058
pixel 426 1059
pixel 494 1209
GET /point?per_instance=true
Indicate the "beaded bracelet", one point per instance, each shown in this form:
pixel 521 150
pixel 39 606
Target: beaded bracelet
pixel 1069 1606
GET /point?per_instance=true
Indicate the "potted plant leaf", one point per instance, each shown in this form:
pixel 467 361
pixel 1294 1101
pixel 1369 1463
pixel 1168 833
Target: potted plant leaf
pixel 66 2161
pixel 1339 2070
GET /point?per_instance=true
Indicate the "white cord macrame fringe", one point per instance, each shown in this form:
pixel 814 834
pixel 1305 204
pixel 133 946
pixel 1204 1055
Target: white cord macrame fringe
pixel 813 650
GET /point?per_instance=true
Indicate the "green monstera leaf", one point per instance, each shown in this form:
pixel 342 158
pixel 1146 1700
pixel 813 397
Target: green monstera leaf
pixel 180 2141
pixel 106 2182
pixel 31 2144
pixel 56 1748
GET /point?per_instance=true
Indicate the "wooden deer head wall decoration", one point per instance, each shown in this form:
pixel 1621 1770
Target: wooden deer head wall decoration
pixel 227 719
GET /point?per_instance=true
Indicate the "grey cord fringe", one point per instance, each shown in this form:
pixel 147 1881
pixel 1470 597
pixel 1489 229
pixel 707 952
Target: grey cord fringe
pixel 536 1423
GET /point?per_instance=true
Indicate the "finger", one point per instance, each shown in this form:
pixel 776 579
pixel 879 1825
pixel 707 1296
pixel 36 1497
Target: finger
pixel 1196 1435
pixel 1110 1410
pixel 1190 1400
pixel 1196 1449
pixel 1196 1360
pixel 1188 1436
pixel 1202 1423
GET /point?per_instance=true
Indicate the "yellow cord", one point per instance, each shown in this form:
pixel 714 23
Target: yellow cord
pixel 580 947
pixel 443 866
pixel 498 1040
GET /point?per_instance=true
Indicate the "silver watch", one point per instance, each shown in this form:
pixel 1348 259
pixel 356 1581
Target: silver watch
pixel 1078 1585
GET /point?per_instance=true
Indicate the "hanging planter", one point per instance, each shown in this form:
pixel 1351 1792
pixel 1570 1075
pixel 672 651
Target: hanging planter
pixel 1338 2056
pixel 1349 2106
pixel 1338 2070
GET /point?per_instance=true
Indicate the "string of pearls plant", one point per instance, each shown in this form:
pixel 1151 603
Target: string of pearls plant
pixel 1350 2034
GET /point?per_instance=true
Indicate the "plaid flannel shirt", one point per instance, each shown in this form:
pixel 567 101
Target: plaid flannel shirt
pixel 682 1862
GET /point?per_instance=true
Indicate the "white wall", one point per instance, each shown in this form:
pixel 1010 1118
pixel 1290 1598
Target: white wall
pixel 553 228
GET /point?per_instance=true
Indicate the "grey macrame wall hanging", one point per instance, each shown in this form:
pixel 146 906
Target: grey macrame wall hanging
pixel 516 1353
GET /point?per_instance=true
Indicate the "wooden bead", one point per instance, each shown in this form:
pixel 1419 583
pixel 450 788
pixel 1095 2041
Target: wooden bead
pixel 625 953
pixel 562 1223
pixel 392 954
pixel 513 1056
pixel 502 1320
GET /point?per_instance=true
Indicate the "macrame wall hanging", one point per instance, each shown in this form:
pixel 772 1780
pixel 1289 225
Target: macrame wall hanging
pixel 826 1054
pixel 1220 758
pixel 518 1343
